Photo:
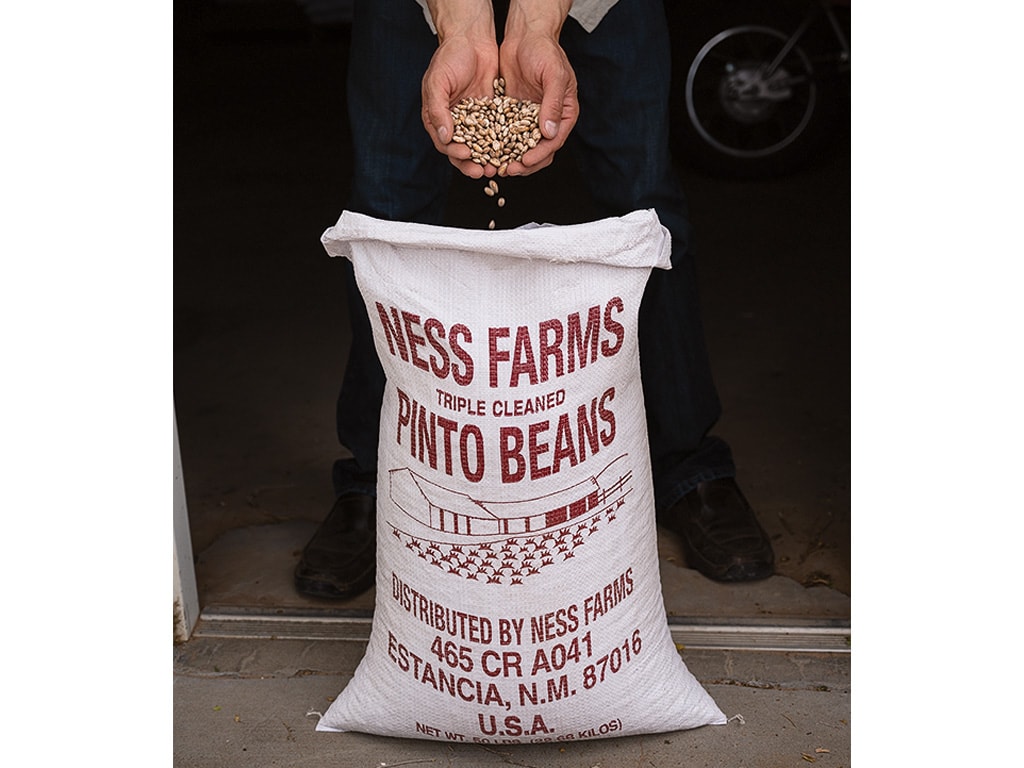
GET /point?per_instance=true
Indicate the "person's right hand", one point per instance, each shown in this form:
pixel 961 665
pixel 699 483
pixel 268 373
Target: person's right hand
pixel 464 65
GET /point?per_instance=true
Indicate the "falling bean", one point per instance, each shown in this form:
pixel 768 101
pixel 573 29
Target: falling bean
pixel 498 130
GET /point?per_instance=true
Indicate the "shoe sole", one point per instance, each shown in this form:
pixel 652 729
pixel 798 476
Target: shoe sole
pixel 318 587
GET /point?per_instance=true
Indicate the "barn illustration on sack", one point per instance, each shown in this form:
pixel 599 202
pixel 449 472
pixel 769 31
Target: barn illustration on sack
pixel 504 542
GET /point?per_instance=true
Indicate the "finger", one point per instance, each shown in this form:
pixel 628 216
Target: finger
pixel 520 168
pixel 467 167
pixel 457 151
pixel 544 152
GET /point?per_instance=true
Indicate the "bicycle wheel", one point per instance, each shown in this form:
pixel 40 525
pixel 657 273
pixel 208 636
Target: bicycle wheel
pixel 750 103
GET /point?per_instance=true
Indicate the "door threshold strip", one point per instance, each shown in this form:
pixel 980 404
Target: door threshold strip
pixel 773 634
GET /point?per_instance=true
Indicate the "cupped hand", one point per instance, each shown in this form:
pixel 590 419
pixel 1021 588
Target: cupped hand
pixel 536 68
pixel 462 67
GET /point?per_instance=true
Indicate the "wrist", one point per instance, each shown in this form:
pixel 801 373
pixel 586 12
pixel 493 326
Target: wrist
pixel 536 17
pixel 471 19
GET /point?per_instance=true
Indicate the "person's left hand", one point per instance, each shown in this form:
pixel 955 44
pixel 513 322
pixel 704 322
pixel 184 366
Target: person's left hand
pixel 536 68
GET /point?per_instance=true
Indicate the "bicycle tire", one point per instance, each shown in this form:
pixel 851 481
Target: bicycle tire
pixel 741 119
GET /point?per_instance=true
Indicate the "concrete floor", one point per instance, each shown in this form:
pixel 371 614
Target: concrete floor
pixel 244 703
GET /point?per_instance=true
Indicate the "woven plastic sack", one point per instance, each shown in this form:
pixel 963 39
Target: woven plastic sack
pixel 518 590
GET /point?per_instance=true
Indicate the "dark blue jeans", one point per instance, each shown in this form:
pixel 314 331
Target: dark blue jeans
pixel 621 146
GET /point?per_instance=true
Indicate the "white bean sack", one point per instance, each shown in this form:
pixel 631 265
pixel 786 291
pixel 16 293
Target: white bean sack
pixel 518 592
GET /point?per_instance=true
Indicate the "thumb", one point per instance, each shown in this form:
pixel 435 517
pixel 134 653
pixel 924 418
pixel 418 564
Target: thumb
pixel 557 100
pixel 437 117
pixel 550 115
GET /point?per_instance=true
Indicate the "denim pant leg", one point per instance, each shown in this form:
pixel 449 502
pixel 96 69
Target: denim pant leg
pixel 621 145
pixel 397 176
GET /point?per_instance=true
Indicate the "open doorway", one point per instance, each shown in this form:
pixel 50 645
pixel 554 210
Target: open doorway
pixel 261 338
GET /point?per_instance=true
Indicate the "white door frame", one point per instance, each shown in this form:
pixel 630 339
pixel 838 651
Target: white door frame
pixel 186 596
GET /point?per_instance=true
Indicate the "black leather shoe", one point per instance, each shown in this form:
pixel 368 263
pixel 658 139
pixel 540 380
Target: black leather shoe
pixel 720 533
pixel 340 560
